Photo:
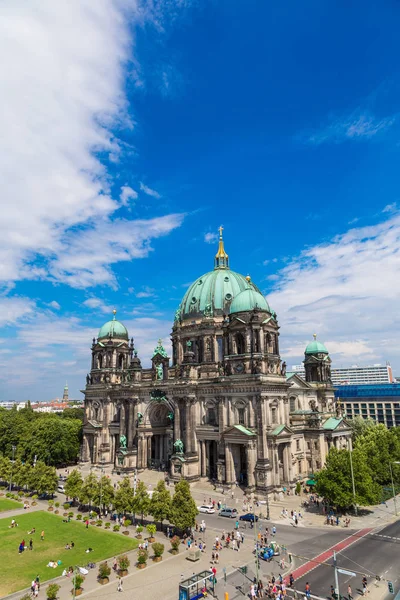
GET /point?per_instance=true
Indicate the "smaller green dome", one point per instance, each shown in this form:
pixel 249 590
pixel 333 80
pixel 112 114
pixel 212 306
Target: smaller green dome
pixel 113 329
pixel 316 347
pixel 247 300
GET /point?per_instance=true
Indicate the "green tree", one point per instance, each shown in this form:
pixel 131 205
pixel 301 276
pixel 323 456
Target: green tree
pixel 183 507
pixel 73 484
pixel 141 500
pixel 123 499
pixel 334 481
pixel 382 446
pixel 104 493
pixel 360 426
pixel 160 503
pixel 90 489
pixel 5 468
pixel 43 479
pixel 22 473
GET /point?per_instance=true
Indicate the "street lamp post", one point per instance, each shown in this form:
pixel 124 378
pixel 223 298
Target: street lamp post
pixel 12 464
pixel 395 462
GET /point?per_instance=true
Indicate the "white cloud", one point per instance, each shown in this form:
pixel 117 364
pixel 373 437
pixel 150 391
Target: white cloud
pixel 87 256
pixel 390 208
pixel 347 292
pixel 144 188
pixel 15 310
pixel 211 238
pixel 356 126
pixel 147 292
pixel 70 60
pixel 96 303
pixel 54 304
pixel 127 193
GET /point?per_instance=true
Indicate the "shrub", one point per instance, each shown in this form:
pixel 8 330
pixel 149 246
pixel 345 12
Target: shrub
pixel 57 504
pixel 158 549
pixel 123 562
pixel 79 517
pixel 66 505
pixel 52 591
pixel 34 497
pixel 139 530
pixel 298 488
pixel 151 529
pixel 116 528
pixel 127 522
pixel 104 570
pixel 20 494
pixel 143 555
pixel 93 514
pixel 99 523
pixel 71 514
pixel 175 543
pixel 107 525
pixel 51 503
pixel 77 580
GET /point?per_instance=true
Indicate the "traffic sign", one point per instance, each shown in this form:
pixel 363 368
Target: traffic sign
pixel 344 572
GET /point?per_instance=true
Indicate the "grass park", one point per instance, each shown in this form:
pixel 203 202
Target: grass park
pixel 6 504
pixel 18 570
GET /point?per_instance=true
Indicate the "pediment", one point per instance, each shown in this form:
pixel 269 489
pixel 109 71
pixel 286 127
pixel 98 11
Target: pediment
pixel 282 431
pixel 297 381
pixel 239 433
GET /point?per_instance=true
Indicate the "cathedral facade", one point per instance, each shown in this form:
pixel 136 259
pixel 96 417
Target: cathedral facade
pixel 223 406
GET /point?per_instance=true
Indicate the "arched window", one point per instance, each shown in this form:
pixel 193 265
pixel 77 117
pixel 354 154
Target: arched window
pixel 99 361
pixel 292 404
pixel 121 361
pixel 240 347
pixel 241 416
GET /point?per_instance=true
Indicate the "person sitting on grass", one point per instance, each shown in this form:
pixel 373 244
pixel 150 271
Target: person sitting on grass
pixel 89 550
pixel 33 530
pixel 67 547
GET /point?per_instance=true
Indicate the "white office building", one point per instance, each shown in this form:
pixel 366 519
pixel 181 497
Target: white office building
pixel 356 375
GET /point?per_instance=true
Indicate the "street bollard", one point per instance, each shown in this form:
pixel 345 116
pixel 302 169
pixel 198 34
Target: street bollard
pixel 226 596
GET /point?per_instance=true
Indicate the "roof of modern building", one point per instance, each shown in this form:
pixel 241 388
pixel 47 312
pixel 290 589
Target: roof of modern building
pixel 370 390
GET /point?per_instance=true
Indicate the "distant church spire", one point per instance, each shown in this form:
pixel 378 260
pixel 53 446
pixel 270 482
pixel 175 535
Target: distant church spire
pixel 65 394
pixel 221 258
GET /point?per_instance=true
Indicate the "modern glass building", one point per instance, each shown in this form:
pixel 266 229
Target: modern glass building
pixel 356 375
pixel 380 402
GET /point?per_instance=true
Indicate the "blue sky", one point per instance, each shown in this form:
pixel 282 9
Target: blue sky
pixel 132 130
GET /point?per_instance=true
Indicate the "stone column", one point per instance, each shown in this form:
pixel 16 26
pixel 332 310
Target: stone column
pixel 140 451
pixel 166 447
pixel 130 424
pixel 85 448
pixel 262 446
pixel 193 436
pixel 203 458
pixel 286 467
pixel 177 422
pixel 148 450
pixel 221 419
pixel 229 464
pixel 251 463
pixel 188 432
pixel 122 421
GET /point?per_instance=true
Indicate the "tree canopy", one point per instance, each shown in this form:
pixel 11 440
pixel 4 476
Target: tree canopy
pixel 183 507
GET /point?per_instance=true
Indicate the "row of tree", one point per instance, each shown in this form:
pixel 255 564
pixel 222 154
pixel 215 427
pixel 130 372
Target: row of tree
pixel 376 449
pixel 180 509
pixel 39 478
pixel 52 438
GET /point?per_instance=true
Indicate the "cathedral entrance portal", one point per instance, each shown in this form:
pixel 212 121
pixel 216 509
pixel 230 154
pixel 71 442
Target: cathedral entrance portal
pixel 160 420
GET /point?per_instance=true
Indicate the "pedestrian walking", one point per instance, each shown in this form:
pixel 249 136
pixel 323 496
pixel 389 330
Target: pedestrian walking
pixel 120 588
pixel 307 590
pixel 31 544
pixel 364 585
pixel 349 593
pixel 42 535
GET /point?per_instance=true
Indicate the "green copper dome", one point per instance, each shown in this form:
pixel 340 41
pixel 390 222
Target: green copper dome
pixel 212 293
pixel 315 347
pixel 248 300
pixel 113 329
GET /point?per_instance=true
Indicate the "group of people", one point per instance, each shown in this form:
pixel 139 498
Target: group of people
pixel 35 586
pixel 275 589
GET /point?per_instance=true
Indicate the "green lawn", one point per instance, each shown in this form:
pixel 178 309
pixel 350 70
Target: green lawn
pixel 6 504
pixel 18 570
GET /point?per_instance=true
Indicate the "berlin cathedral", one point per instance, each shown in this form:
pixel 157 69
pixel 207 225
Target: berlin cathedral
pixel 223 407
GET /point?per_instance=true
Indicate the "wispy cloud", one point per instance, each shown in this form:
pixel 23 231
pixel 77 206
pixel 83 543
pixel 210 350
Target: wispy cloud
pixel 390 208
pixel 147 190
pixel 146 292
pixel 127 193
pixel 347 291
pixel 97 303
pixel 54 304
pixel 211 238
pixel 360 125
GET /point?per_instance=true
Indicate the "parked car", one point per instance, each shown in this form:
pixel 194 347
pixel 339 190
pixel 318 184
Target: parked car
pixel 248 517
pixel 206 508
pixel 60 488
pixel 232 513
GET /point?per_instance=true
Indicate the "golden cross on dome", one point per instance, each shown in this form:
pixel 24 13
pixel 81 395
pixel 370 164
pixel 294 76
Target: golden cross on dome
pixel 220 229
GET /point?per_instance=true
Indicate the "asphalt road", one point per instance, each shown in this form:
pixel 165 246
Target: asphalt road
pixel 377 553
